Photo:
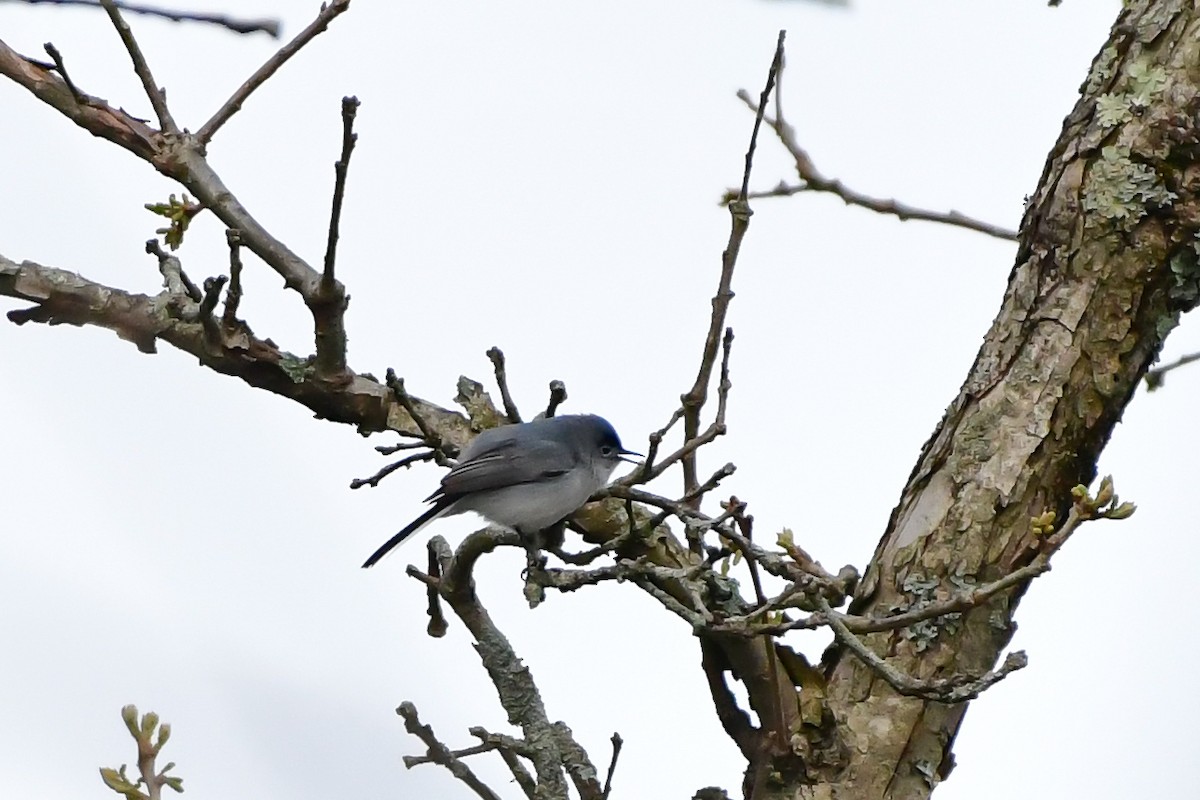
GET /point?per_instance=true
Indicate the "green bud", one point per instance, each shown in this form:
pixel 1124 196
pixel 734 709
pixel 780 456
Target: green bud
pixel 164 733
pixel 1123 511
pixel 129 715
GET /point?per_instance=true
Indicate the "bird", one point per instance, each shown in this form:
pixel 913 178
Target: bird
pixel 525 476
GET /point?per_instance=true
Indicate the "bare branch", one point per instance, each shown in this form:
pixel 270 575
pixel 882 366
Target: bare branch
pixel 496 356
pixel 881 205
pixel 617 741
pixel 62 297
pixel 439 753
pixel 267 26
pixel 578 765
pixel 233 297
pixel 93 115
pixel 438 561
pixel 175 279
pixel 514 683
pixel 814 181
pixel 329 11
pixel 558 396
pixel 158 98
pixel 509 748
pixel 739 210
pixel 340 168
pixel 52 51
pixel 429 435
pixel 1156 376
pixel 405 462
pixel 329 302
pixel 943 690
pixel 656 442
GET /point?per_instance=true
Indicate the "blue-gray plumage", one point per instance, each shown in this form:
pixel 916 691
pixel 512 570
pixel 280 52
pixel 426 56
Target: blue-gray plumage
pixel 525 477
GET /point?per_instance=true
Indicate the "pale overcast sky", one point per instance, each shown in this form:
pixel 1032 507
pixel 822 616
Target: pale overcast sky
pixel 542 177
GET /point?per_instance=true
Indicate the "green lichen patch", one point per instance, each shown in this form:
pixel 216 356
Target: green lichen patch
pixel 1112 110
pixel 298 369
pixel 1102 70
pixel 1120 189
pixel 1146 81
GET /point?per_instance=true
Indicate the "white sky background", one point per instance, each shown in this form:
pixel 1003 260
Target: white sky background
pixel 542 177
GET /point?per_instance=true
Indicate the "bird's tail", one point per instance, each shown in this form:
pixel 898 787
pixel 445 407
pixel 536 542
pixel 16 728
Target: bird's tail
pixel 409 529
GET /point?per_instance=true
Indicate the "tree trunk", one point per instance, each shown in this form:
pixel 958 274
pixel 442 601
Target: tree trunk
pixel 1107 262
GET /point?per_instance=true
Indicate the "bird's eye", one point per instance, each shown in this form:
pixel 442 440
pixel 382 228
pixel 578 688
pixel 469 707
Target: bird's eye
pixel 607 451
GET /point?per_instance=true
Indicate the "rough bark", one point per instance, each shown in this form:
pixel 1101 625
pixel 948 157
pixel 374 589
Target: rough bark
pixel 1107 262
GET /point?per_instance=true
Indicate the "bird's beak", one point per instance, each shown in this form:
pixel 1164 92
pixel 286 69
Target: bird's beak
pixel 624 456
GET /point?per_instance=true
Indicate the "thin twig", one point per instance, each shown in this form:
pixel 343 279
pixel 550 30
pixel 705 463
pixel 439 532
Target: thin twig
pixel 329 11
pixel 957 603
pixel 438 625
pixel 1155 377
pixel 496 356
pixel 175 279
pixel 212 295
pixel 428 434
pixel 945 690
pixel 158 98
pixel 204 311
pixel 328 302
pixel 693 401
pixel 407 461
pixel 656 439
pixel 558 396
pixel 389 449
pixel 617 741
pixel 416 761
pixel 509 748
pixel 439 753
pixel 52 51
pixel 814 181
pixel 340 168
pixel 267 26
pixel 882 205
pixel 234 295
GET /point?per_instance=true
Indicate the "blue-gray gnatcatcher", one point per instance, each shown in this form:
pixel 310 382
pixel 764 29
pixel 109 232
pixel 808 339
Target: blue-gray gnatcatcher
pixel 525 477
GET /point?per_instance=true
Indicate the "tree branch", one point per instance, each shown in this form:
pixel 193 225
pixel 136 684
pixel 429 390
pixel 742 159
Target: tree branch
pixel 63 297
pixel 1156 376
pixel 329 11
pixel 814 181
pixel 329 302
pixel 496 356
pixel 519 695
pixel 617 741
pixel 693 401
pixel 439 753
pixel 158 98
pixel 267 26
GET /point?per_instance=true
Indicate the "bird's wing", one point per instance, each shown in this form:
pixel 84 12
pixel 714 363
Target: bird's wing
pixel 501 463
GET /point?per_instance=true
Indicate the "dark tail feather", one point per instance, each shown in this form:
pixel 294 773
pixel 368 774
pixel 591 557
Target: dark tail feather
pixel 408 529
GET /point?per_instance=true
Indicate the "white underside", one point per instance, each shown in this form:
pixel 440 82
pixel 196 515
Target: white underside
pixel 530 507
